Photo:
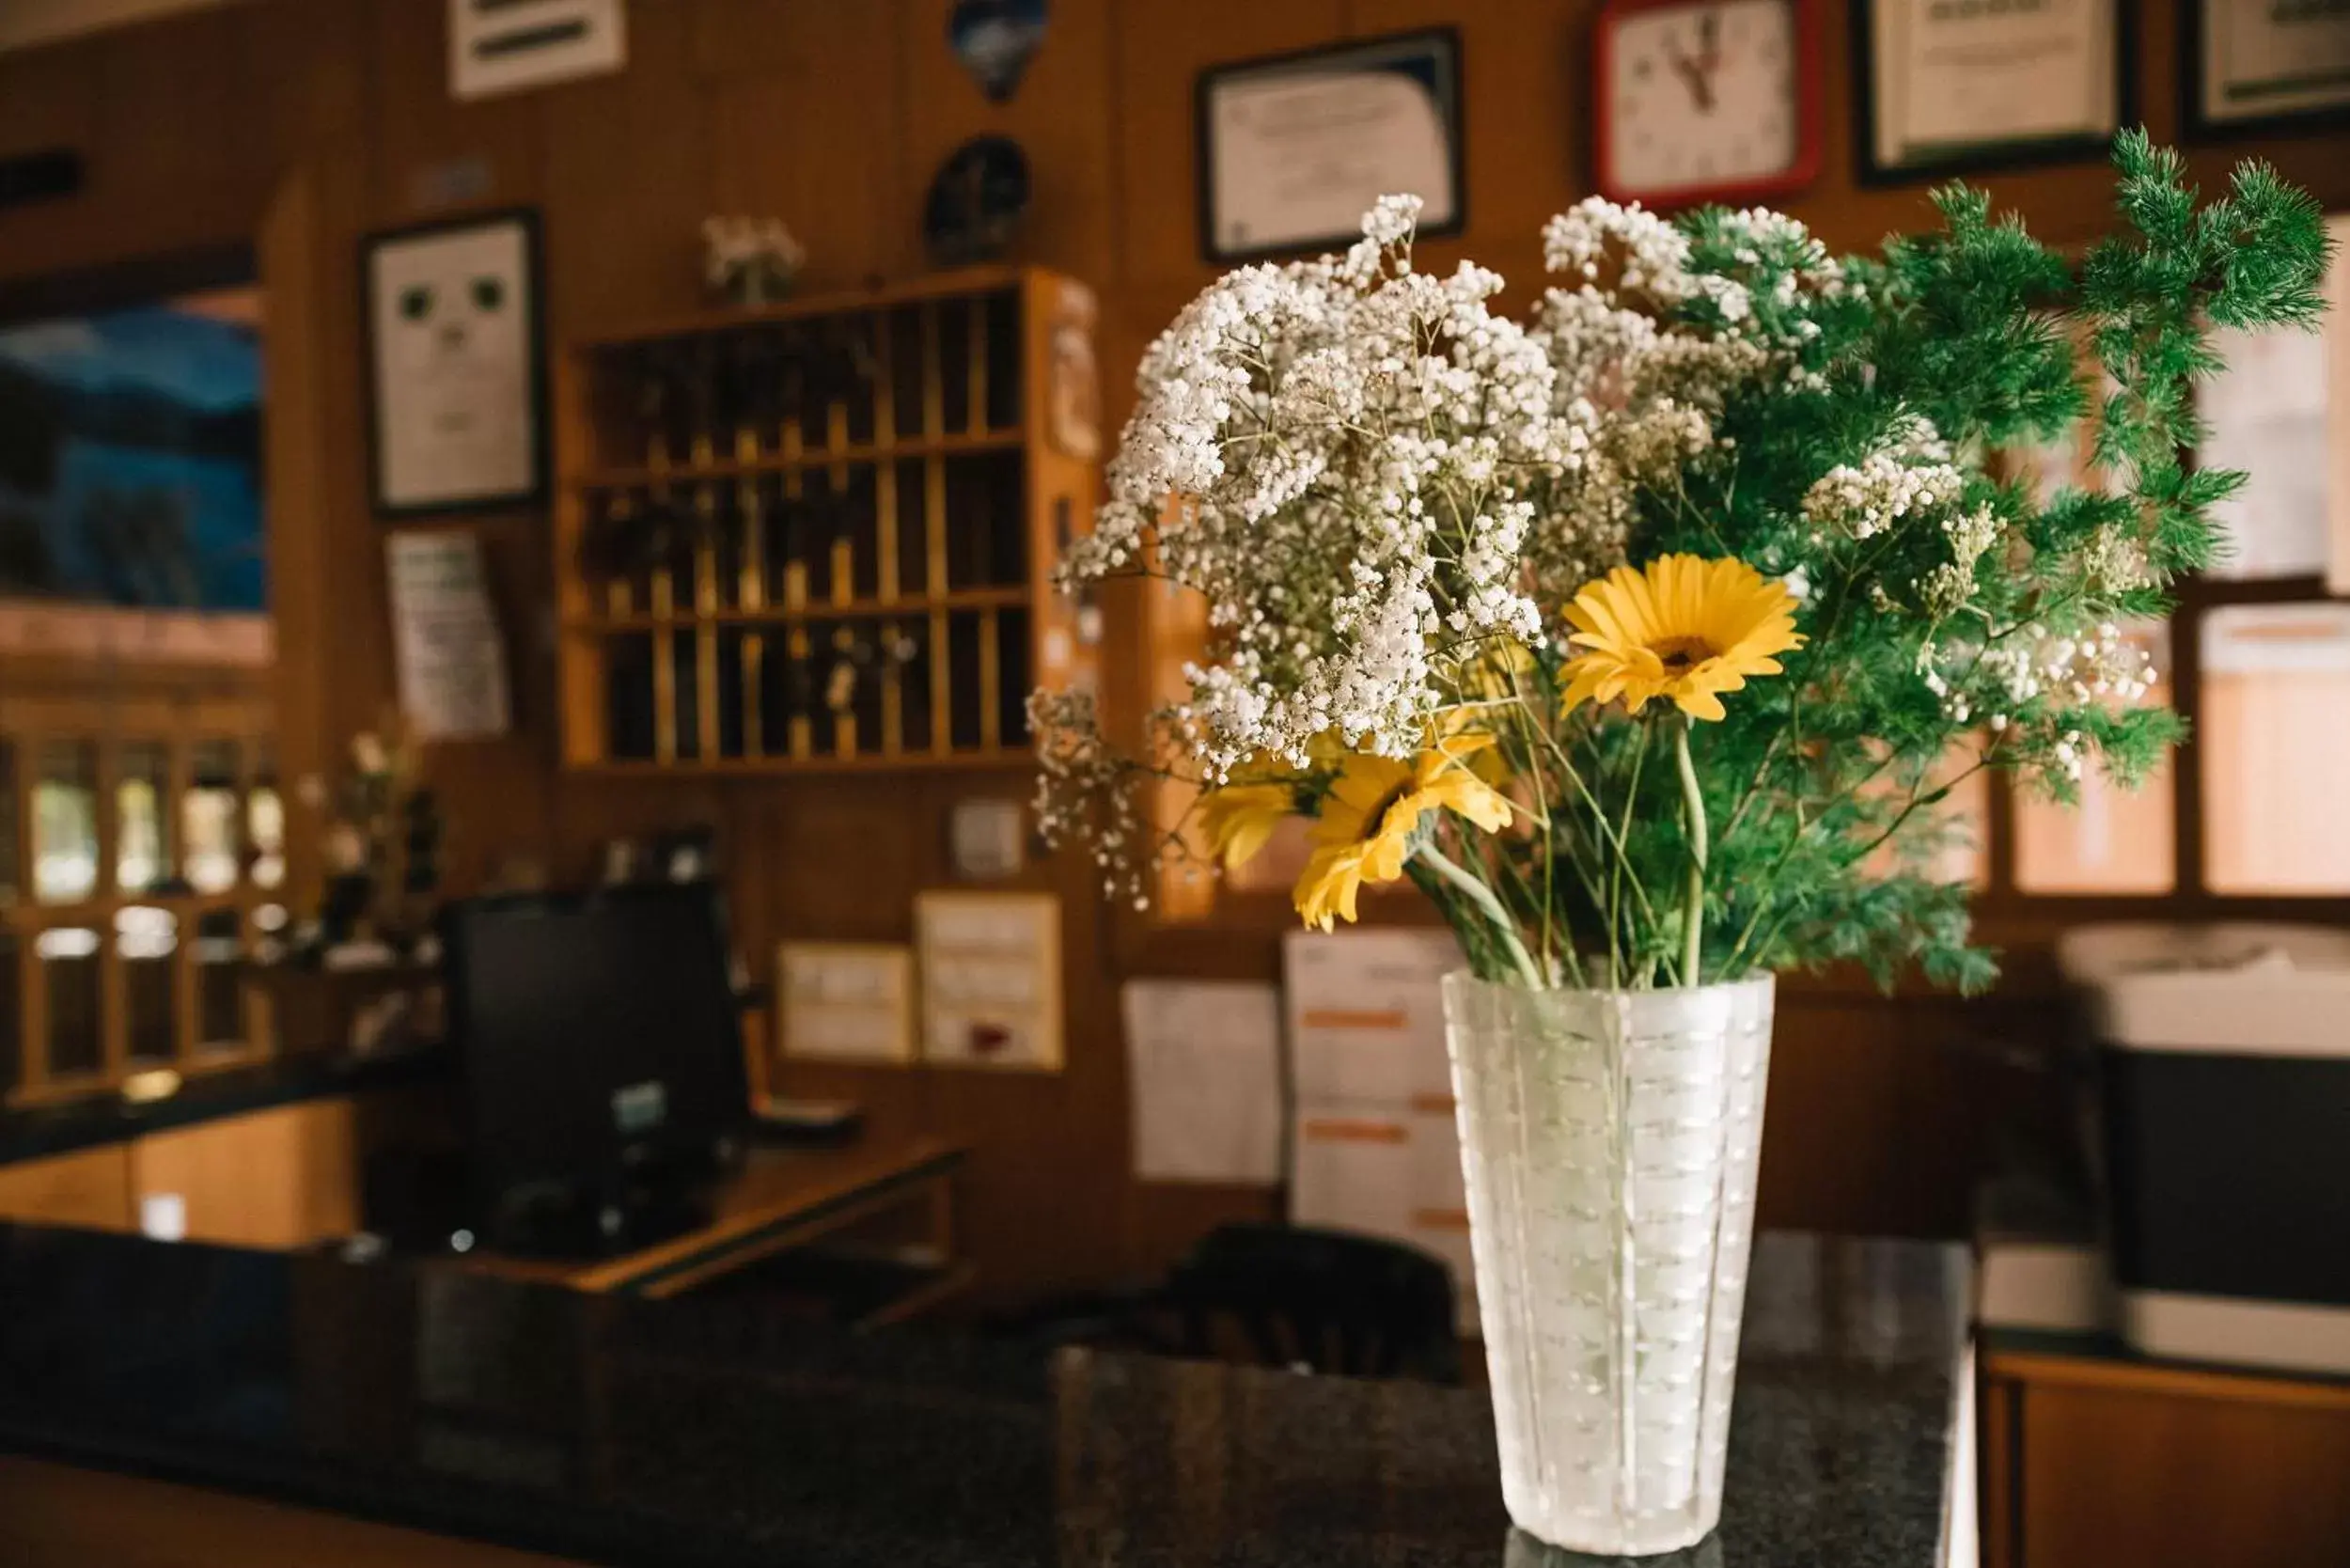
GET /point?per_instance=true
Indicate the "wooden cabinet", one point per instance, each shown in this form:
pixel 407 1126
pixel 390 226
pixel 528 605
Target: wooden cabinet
pixel 89 1189
pixel 282 1178
pixel 2090 1461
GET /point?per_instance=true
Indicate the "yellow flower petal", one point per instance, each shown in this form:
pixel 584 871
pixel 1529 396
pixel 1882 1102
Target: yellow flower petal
pixel 1327 887
pixel 1239 818
pixel 1377 803
pixel 1684 631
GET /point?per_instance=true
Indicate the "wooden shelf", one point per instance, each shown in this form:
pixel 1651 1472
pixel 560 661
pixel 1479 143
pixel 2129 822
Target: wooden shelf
pixel 814 460
pixel 976 759
pixel 913 607
pixel 957 284
pixel 655 679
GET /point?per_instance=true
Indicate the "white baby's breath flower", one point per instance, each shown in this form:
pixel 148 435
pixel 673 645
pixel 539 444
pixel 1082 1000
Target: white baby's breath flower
pixel 1882 492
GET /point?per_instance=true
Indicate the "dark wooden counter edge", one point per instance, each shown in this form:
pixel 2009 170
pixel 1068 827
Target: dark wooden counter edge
pixel 726 1239
pixel 553 1526
pixel 41 1132
pixel 2091 1360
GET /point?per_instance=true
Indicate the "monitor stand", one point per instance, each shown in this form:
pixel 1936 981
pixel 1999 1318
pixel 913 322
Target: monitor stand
pixel 557 1221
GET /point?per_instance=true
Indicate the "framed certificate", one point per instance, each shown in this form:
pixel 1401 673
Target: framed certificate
pixel 457 400
pixel 1955 86
pixel 2253 67
pixel 1294 149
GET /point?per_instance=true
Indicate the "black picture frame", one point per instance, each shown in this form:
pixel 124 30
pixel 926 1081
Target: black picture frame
pixel 1443 46
pixel 533 493
pixel 2032 152
pixel 2197 129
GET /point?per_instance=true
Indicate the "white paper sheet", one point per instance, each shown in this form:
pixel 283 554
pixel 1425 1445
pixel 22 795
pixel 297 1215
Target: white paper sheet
pixel 1354 1169
pixel 2267 415
pixel 1204 1075
pixel 1367 1015
pixel 452 662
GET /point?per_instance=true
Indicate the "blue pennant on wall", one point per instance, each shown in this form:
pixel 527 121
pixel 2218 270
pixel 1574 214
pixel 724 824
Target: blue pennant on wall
pixel 995 40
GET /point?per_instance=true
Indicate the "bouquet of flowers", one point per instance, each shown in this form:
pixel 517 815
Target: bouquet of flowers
pixel 1641 634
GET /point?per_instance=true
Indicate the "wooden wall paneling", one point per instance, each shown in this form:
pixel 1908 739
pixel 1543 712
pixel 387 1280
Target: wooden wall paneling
pixel 585 810
pixel 417 131
pixel 154 85
pixel 90 1188
pixel 876 834
pixel 1829 1159
pixel 1044 1201
pixel 806 107
pixel 1062 117
pixel 307 65
pixel 1883 1109
pixel 627 183
pixel 129 101
pixel 296 252
pixel 48 98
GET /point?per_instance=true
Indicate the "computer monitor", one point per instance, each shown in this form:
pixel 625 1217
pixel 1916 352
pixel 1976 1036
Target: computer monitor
pixel 602 1056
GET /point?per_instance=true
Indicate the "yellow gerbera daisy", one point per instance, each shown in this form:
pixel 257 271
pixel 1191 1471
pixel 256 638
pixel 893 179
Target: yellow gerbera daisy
pixel 1364 831
pixel 1686 630
pixel 1239 818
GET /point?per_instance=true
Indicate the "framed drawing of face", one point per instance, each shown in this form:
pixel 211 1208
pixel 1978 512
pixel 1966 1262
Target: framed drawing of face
pixel 455 365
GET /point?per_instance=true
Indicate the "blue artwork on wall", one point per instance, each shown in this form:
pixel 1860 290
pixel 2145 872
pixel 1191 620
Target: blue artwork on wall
pixel 131 456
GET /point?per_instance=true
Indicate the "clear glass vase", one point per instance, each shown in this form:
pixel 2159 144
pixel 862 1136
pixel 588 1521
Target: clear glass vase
pixel 1610 1140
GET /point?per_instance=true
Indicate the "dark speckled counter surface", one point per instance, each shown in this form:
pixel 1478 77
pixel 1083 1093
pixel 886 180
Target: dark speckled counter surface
pixel 689 1434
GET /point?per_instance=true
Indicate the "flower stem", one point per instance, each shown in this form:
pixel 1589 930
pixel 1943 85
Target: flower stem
pixel 1623 835
pixel 1693 800
pixel 1483 896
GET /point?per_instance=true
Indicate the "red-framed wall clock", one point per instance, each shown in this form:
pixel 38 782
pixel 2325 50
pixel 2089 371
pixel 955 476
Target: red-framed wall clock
pixel 1706 101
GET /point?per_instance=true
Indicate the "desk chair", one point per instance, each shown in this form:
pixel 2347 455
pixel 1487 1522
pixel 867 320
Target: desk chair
pixel 1324 1301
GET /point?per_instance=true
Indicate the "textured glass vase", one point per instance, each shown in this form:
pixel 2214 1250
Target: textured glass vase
pixel 1610 1140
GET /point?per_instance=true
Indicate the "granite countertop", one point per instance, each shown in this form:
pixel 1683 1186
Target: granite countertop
pixel 686 1433
pixel 37 1132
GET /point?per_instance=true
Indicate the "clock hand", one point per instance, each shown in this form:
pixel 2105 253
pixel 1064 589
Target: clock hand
pixel 1697 70
pixel 1700 79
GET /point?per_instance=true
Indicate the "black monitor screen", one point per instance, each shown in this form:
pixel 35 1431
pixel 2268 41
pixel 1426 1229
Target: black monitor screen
pixel 599 1032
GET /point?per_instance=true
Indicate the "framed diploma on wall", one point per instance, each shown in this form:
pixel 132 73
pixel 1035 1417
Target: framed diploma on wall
pixel 2251 67
pixel 1293 148
pixel 1947 87
pixel 457 400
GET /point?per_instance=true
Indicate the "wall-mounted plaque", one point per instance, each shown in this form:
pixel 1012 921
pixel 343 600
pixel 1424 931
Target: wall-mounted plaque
pixel 1296 147
pixel 2254 67
pixel 1970 87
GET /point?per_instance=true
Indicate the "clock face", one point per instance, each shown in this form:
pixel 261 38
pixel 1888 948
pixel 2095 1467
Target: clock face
pixel 1704 97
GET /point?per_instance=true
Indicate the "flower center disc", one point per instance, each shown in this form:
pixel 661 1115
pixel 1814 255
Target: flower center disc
pixel 1678 655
